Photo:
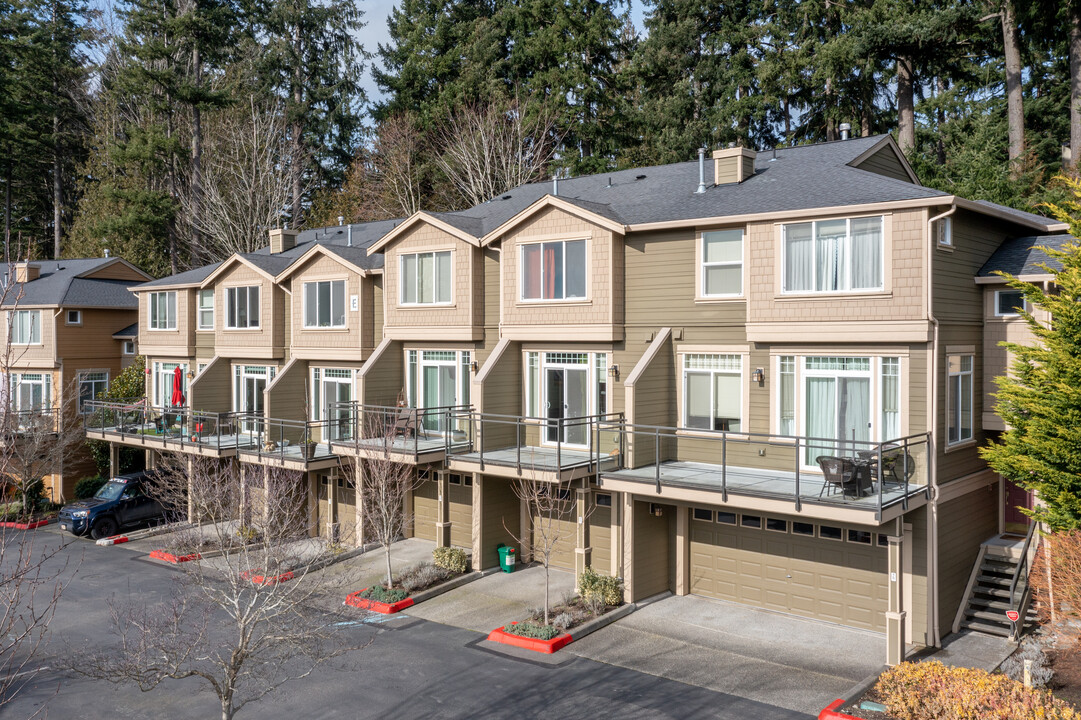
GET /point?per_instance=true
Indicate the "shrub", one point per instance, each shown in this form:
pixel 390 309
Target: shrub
pixel 596 588
pixel 452 559
pixel 378 593
pixel 1014 666
pixel 422 576
pixel 89 486
pixel 247 534
pixel 563 621
pixel 532 630
pixel 931 691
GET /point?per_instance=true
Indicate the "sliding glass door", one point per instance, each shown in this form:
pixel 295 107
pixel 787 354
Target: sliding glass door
pixel 837 403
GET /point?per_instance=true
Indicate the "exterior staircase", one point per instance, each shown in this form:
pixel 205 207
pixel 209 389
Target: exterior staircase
pixel 1000 572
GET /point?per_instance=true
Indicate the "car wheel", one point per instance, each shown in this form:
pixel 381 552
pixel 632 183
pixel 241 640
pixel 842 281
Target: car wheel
pixel 106 527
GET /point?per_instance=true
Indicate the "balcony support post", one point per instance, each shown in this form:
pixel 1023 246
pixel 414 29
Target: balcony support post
pixel 114 459
pixel 582 549
pixel 799 501
pixel 895 614
pixel 724 467
pixel 904 472
pixel 442 518
pixel 657 458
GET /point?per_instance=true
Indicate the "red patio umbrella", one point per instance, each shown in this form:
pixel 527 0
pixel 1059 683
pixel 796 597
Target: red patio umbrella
pixel 178 388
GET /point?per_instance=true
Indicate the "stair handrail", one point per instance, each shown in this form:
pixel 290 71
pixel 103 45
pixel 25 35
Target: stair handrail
pixel 1021 568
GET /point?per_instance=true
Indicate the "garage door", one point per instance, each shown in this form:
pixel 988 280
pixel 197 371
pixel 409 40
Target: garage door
pixel 424 510
pixel 600 534
pixel 347 513
pixel 562 536
pixel 838 574
pixel 461 511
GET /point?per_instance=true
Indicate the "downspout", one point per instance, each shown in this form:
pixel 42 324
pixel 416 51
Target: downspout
pixel 933 446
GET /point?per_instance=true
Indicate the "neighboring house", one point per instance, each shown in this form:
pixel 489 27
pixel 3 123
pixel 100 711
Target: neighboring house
pixel 677 345
pixel 61 316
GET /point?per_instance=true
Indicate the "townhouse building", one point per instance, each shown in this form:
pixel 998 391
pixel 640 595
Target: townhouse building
pixel 760 377
pixel 62 322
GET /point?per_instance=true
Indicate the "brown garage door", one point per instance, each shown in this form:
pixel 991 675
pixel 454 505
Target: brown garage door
pixel 562 537
pixel 841 581
pixel 424 510
pixel 461 512
pixel 600 537
pixel 347 512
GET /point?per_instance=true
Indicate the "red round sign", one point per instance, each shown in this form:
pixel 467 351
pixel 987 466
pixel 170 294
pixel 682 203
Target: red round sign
pixel 1012 615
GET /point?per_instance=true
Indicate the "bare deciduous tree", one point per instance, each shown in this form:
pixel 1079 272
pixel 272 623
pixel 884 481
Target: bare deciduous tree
pixel 246 182
pixel 385 486
pixel 551 508
pixel 397 158
pixel 241 616
pixel 487 150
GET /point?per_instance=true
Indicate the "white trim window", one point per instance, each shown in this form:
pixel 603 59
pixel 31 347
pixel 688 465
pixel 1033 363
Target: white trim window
pixel 563 386
pixel 553 270
pixel 91 384
pixel 25 327
pixel 332 395
pixel 31 391
pixel 129 347
pixel 73 317
pixel 830 256
pixel 242 308
pixel 324 304
pixel 163 310
pixel 713 392
pixel 437 378
pixel 1008 303
pixel 425 278
pixel 959 402
pixel 944 231
pixel 206 309
pixel 164 376
pixel 722 263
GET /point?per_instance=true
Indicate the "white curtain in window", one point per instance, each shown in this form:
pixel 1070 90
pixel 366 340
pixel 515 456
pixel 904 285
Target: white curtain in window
pixel 425 289
pixel 576 269
pixel 891 399
pixel 855 414
pixel 788 396
pixel 866 253
pixel 799 254
pixel 698 400
pixel 829 255
pixel 727 402
pixel 409 278
pixel 443 274
pixel 821 415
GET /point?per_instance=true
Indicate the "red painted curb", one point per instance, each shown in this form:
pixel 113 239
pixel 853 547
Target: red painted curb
pixel 266 579
pixel 500 635
pixel 355 600
pixel 26 526
pixel 174 559
pixel 831 712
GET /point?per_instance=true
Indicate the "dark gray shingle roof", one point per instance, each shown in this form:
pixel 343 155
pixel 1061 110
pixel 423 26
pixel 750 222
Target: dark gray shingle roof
pixel 1023 256
pixel 59 284
pixel 128 333
pixel 188 277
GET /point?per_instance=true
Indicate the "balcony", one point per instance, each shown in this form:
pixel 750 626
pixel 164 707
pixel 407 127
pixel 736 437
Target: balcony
pixel 550 449
pixel 135 423
pixel 782 473
pixel 410 435
pixel 25 423
pixel 294 444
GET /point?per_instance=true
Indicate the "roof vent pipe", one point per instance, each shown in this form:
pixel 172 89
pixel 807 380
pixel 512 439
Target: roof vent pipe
pixel 341 220
pixel 701 170
pixel 106 251
pixel 845 127
pixel 555 185
pixel 349 242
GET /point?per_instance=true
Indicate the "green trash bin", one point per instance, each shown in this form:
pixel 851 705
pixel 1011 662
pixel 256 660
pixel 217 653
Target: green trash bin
pixel 508 557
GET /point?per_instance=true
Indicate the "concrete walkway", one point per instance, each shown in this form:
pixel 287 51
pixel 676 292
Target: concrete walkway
pixel 783 660
pixel 371 567
pixel 495 600
pixel 973 650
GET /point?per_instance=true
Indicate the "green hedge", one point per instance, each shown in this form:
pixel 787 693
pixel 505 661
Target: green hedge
pixel 452 559
pixel 378 593
pixel 532 630
pixel 89 486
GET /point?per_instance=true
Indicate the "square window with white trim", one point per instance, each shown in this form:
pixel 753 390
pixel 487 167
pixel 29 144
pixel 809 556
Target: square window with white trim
pixel 832 256
pixel 163 310
pixel 73 317
pixel 722 264
pixel 425 278
pixel 1009 303
pixel 242 308
pixel 553 270
pixel 91 384
pixel 25 327
pixel 324 304
pixel 206 309
pixel 129 347
pixel 713 392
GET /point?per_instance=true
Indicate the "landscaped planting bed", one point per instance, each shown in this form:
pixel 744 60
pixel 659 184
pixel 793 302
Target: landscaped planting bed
pixel 448 565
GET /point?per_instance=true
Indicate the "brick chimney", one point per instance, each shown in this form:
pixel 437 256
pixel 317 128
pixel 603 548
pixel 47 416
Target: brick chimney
pixel 733 165
pixel 26 272
pixel 282 239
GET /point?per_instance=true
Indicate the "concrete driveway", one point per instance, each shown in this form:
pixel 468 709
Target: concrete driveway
pixel 790 662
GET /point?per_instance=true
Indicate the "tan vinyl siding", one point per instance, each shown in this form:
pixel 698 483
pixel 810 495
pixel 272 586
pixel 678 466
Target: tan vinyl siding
pixel 652 562
pixel 285 396
pixel 963 524
pixel 500 519
pixel 212 389
pixel 168 342
pixel 885 162
pixel 323 267
pixel 384 378
pixel 917 613
pixel 117 271
pixel 268 341
pixel 378 308
pixel 964 458
pixel 596 310
pixel 501 394
pixel 43 354
pixel 347 512
pixel 426 238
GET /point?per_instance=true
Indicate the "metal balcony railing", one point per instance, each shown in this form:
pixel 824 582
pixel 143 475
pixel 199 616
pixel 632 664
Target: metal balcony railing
pixel 397 429
pixel 134 420
pixel 856 473
pixel 301 441
pixel 14 423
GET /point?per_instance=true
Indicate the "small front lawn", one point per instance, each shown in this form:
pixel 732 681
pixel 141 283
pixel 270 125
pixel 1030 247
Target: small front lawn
pixel 448 563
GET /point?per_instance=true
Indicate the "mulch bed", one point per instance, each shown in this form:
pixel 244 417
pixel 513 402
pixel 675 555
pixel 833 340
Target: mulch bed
pixel 174 559
pixel 1066 684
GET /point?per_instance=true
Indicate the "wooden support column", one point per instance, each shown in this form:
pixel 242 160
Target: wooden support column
pixel 358 479
pixel 442 510
pixel 616 533
pixel 245 495
pixel 582 549
pixel 313 503
pixel 333 535
pixel 151 459
pixel 525 531
pixel 683 550
pixel 895 614
pixel 478 526
pixel 189 463
pixel 114 460
pixel 266 496
pixel 627 542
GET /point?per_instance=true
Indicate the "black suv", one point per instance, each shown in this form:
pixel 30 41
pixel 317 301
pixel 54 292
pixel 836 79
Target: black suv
pixel 121 503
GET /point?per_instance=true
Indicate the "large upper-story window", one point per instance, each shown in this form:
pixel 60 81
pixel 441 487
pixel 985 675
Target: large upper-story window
pixel 163 311
pixel 553 270
pixel 722 263
pixel 426 278
pixel 324 304
pixel 713 392
pixel 833 255
pixel 206 309
pixel 25 327
pixel 242 307
pixel 91 384
pixel 959 402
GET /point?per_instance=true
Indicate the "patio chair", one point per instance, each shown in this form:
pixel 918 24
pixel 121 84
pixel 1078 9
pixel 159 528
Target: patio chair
pixel 851 477
pixel 405 424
